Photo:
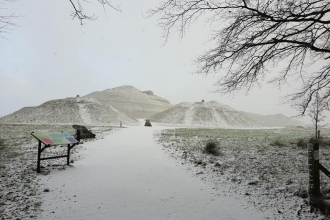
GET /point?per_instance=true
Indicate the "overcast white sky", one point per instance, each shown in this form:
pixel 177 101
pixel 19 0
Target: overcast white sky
pixel 49 56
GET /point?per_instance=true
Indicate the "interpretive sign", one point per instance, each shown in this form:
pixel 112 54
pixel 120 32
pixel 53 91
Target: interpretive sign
pixel 52 139
pixel 55 138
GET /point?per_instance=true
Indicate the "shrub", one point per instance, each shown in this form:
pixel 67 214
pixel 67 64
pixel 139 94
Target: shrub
pixel 302 143
pixel 212 147
pixel 313 140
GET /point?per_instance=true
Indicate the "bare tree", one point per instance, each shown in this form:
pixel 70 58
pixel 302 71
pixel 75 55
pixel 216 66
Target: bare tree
pixel 254 36
pixel 316 112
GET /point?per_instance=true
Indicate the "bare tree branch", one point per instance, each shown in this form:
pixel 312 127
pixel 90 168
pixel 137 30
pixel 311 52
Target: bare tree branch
pixel 256 36
pixel 79 13
pixel 317 109
pixel 6 21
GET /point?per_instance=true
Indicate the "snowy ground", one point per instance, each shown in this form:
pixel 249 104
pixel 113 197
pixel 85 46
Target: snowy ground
pixel 127 175
pixel 266 167
pixel 20 191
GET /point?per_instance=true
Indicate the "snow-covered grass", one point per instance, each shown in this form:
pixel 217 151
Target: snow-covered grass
pixel 267 166
pixel 20 193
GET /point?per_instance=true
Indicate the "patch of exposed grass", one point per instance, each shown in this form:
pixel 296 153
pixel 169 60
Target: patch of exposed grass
pixel 302 192
pixel 277 143
pixel 302 143
pixel 37 204
pixel 2 144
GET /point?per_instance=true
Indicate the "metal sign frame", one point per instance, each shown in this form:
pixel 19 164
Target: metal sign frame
pixel 49 139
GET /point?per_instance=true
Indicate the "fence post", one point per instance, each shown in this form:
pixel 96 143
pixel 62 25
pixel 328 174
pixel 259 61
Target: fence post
pixel 316 170
pixel 310 168
pixel 313 167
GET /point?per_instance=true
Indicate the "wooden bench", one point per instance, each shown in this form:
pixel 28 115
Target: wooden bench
pixel 49 139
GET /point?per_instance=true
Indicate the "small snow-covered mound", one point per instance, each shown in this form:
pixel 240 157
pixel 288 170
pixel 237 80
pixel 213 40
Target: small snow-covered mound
pixel 132 101
pixel 70 110
pixel 208 114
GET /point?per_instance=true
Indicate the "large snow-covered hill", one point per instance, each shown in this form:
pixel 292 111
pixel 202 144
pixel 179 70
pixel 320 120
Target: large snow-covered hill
pixel 132 101
pixel 86 111
pixel 127 104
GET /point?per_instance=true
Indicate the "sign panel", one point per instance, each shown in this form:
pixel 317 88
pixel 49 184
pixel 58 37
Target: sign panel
pixel 55 138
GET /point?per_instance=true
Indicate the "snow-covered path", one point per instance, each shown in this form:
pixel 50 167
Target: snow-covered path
pixel 127 176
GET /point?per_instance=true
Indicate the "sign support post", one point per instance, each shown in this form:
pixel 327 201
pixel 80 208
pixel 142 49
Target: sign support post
pixel 53 139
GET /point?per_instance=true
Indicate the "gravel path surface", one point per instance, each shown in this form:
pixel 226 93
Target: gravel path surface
pixel 127 175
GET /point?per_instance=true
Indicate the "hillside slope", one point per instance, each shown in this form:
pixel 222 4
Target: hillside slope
pixel 132 101
pixel 278 120
pixel 68 111
pixel 214 114
pixel 208 114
